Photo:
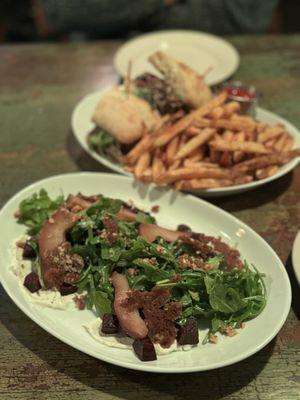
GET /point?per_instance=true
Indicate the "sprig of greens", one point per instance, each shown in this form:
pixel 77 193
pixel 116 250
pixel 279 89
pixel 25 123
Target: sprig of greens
pixel 100 139
pixel 35 211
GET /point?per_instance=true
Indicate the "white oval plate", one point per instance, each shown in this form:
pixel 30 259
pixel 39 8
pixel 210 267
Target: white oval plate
pixel 197 49
pixel 175 208
pixel 82 126
pixel 296 256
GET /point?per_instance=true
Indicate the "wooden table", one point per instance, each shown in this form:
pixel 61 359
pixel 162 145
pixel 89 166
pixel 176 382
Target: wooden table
pixel 39 86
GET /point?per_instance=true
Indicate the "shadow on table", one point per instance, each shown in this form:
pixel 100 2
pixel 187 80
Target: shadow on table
pixel 295 287
pixel 58 359
pixel 81 158
pixel 257 197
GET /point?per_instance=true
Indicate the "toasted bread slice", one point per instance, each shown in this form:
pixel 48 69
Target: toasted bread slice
pixel 124 116
pixel 189 86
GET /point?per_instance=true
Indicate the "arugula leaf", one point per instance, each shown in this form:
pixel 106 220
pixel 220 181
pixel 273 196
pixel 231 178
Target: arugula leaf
pixel 109 252
pixel 102 304
pixel 136 249
pixel 144 218
pixel 146 94
pixel 215 261
pixel 152 273
pixel 104 204
pixel 225 299
pixel 37 209
pixel 100 139
pixel 100 292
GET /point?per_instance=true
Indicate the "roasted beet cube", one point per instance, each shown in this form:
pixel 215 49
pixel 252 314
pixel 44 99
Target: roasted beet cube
pixel 28 251
pixel 110 324
pixel 66 289
pixel 183 228
pixel 32 282
pixel 188 333
pixel 144 349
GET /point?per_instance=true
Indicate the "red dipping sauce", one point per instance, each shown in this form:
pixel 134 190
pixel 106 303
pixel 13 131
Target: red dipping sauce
pixel 239 92
pixel 243 94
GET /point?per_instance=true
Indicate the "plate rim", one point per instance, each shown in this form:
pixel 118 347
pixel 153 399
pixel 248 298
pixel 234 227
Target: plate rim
pixel 213 192
pixel 235 56
pixel 144 367
pixel 295 251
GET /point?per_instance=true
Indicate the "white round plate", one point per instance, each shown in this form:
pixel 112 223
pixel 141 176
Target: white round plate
pixel 296 256
pixel 200 51
pixel 82 126
pixel 175 208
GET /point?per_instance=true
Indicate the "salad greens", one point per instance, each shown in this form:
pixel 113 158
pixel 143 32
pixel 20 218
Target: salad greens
pixel 224 297
pixel 145 93
pixel 35 211
pixel 100 139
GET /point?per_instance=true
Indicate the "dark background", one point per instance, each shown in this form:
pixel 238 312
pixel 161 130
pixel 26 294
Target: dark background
pixel 17 23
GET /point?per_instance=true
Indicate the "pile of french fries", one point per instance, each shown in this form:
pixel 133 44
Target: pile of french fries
pixel 211 147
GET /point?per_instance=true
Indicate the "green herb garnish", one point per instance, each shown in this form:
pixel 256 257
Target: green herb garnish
pixel 35 211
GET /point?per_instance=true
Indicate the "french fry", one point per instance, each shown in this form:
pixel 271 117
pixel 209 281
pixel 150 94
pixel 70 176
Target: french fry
pixel 195 143
pixel 261 126
pixel 266 172
pixel 207 148
pixel 171 150
pixel 243 118
pixel 225 159
pixel 238 155
pixel 197 155
pixel 175 165
pixel 158 167
pixel 146 176
pixel 201 123
pixel 216 113
pixel 240 180
pixel 129 168
pixel 214 155
pixel 288 144
pixel 233 125
pixel 246 147
pixel 270 133
pixel 281 141
pixel 142 164
pixel 200 164
pixel 230 108
pixel 142 146
pixel 192 173
pixel 174 130
pixel 270 143
pixel 201 184
pixel 193 131
pixel 264 161
pixel 177 115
